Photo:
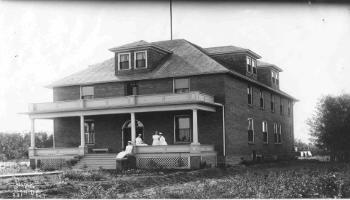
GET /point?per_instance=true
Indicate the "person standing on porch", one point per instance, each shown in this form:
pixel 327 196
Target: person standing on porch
pixel 155 138
pixel 162 139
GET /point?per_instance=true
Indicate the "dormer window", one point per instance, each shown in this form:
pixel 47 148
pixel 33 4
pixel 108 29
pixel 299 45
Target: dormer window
pixel 274 77
pixel 251 65
pixel 140 59
pixel 124 61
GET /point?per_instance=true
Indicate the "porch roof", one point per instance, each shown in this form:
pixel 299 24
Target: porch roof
pixel 125 104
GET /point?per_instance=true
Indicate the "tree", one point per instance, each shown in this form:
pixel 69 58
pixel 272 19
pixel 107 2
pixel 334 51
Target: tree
pixel 330 126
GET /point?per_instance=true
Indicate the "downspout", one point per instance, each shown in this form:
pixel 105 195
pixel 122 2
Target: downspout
pixel 223 128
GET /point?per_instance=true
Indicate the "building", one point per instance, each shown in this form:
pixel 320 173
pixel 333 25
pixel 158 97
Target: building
pixel 214 105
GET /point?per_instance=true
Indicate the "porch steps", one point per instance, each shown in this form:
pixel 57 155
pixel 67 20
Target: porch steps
pixel 97 160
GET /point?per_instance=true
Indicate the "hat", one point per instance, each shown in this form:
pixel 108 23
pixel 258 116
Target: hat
pixel 129 142
pixel 160 133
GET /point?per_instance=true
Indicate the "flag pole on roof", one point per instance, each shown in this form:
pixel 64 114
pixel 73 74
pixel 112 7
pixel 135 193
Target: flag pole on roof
pixel 171 20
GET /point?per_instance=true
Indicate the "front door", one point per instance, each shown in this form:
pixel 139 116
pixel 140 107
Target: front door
pixel 127 132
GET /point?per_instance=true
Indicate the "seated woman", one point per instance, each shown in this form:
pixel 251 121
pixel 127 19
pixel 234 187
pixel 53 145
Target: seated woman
pixel 139 141
pixel 162 139
pixel 128 150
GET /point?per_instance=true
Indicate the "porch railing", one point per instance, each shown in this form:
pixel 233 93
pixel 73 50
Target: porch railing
pixel 124 101
pixel 54 151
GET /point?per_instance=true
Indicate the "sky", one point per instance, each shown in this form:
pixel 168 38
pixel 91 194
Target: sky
pixel 44 41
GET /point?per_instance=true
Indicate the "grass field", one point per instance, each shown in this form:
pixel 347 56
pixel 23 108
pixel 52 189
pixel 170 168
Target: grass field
pixel 293 179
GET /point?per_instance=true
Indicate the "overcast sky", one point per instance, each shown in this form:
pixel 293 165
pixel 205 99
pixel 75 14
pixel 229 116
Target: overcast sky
pixel 45 41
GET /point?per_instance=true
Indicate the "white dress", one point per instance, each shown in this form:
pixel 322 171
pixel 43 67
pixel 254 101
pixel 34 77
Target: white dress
pixel 162 140
pixel 155 140
pixel 122 154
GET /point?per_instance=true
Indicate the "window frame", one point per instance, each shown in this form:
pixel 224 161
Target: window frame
pixel 252 121
pixel 254 68
pixel 249 64
pixel 135 60
pixel 289 107
pixel 281 106
pixel 189 85
pixel 272 103
pixel 81 92
pixel 250 92
pixel 279 133
pixel 261 100
pixel 86 139
pixel 119 55
pixel 275 132
pixel 191 129
pixel 264 124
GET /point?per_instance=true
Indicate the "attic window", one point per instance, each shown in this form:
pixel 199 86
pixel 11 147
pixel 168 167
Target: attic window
pixel 251 65
pixel 274 76
pixel 140 59
pixel 124 61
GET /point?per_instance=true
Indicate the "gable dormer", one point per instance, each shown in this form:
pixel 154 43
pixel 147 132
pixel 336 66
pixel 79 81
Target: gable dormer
pixel 138 57
pixel 269 74
pixel 243 61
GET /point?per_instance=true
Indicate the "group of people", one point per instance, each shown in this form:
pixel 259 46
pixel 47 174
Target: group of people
pixel 158 139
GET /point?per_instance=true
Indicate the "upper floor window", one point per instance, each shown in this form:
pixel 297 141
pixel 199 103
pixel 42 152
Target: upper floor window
pixel 140 59
pixel 250 130
pixel 272 102
pixel 87 92
pixel 131 88
pixel 289 107
pixel 274 77
pixel 251 65
pixel 262 103
pixel 183 129
pixel 124 61
pixel 250 94
pixel 265 132
pixel 281 106
pixel 181 85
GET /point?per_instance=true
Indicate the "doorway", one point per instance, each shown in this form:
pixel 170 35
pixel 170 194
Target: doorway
pixel 126 132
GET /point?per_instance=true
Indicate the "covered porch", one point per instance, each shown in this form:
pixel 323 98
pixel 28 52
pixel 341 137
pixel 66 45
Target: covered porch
pixel 133 110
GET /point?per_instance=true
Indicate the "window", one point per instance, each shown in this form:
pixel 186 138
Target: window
pixel 279 134
pixel 181 85
pixel 249 64
pixel 289 107
pixel 250 94
pixel 254 66
pixel 87 92
pixel 281 106
pixel 131 88
pixel 183 129
pixel 262 103
pixel 275 134
pixel 250 130
pixel 274 77
pixel 265 132
pixel 140 59
pixel 272 103
pixel 89 131
pixel 124 61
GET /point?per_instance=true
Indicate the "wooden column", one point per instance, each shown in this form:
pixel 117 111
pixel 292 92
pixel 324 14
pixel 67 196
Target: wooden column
pixel 133 128
pixel 195 126
pixel 32 133
pixel 82 131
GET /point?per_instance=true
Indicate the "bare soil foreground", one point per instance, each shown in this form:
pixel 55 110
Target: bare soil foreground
pixel 292 179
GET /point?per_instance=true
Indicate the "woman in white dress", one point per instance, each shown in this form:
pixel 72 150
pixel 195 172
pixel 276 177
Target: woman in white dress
pixel 162 139
pixel 155 138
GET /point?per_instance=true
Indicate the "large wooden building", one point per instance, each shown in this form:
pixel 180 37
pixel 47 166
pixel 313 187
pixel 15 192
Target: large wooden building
pixel 213 105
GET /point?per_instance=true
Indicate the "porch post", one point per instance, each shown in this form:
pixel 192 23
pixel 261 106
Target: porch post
pixel 133 128
pixel 195 126
pixel 82 146
pixel 32 133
